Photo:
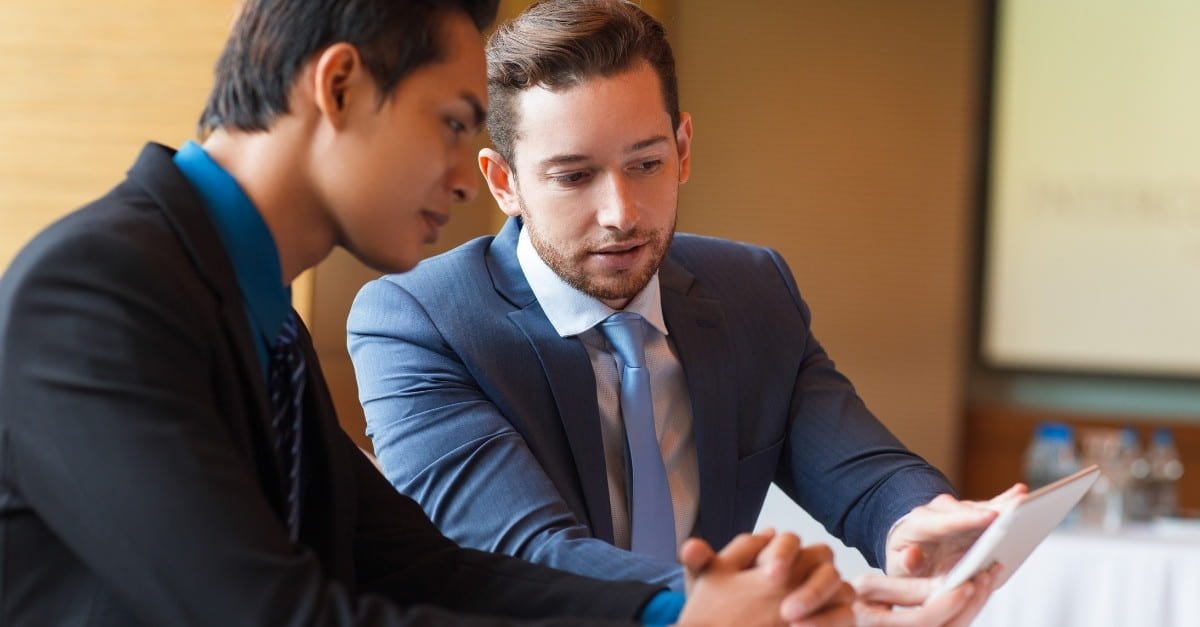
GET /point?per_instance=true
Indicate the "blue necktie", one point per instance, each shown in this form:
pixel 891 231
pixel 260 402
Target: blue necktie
pixel 285 383
pixel 652 518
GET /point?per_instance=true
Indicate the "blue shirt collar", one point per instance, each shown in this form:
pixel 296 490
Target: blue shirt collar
pixel 247 240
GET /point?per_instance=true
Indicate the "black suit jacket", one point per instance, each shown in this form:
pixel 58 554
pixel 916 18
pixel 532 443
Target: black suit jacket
pixel 137 480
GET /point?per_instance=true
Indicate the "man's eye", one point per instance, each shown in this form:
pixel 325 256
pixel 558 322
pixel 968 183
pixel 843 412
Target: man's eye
pixel 456 127
pixel 570 178
pixel 649 166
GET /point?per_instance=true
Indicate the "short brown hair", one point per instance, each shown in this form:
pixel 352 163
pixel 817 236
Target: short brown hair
pixel 562 43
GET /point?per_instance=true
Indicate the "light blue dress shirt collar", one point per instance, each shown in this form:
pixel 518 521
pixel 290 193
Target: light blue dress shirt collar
pixel 571 311
pixel 247 240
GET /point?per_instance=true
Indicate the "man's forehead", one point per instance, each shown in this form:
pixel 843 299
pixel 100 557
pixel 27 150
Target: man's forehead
pixel 463 69
pixel 616 113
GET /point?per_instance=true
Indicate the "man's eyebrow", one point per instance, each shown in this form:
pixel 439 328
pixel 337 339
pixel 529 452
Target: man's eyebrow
pixel 476 108
pixel 577 158
pixel 646 143
pixel 561 160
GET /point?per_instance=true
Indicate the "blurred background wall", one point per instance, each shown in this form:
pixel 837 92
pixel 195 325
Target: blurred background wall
pixel 841 134
pixel 86 83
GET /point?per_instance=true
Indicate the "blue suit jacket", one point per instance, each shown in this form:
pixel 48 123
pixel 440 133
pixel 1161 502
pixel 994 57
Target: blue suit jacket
pixel 484 415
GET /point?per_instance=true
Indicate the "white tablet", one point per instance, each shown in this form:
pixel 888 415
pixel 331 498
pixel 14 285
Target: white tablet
pixel 1014 534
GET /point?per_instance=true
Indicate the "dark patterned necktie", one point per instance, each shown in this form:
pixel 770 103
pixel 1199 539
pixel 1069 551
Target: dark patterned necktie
pixel 652 519
pixel 285 383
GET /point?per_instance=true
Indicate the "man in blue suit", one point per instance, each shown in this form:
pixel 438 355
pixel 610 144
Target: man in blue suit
pixel 495 396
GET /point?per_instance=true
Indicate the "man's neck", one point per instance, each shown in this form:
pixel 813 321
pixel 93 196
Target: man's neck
pixel 271 167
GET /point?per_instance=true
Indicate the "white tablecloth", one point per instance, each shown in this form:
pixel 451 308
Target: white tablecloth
pixel 1139 577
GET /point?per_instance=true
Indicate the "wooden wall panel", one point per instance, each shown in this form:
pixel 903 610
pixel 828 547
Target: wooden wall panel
pixel 844 134
pixel 86 83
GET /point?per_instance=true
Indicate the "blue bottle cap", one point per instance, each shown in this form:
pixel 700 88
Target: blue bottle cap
pixel 1054 431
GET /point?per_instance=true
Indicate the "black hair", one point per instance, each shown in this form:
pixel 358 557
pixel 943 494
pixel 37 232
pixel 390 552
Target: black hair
pixel 272 40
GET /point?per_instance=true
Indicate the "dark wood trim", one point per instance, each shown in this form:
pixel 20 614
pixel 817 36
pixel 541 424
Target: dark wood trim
pixel 996 437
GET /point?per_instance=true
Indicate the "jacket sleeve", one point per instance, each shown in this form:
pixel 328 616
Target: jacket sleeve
pixel 840 463
pixel 442 441
pixel 113 437
pixel 403 556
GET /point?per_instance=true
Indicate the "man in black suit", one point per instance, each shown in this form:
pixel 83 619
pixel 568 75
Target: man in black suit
pixel 168 449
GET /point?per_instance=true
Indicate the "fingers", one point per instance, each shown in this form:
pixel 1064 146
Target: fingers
pixel 742 551
pixel 933 536
pixel 912 558
pixel 1016 490
pixel 841 615
pixel 1004 499
pixel 779 556
pixel 983 585
pixel 764 548
pixel 947 517
pixel 940 611
pixel 880 589
pixel 822 588
pixel 945 607
pixel 695 554
pixel 957 608
pixel 809 559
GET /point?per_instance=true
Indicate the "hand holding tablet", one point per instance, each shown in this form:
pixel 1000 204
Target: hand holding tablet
pixel 1014 534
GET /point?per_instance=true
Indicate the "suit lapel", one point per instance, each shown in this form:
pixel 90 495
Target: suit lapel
pixel 156 174
pixel 573 384
pixel 697 327
pixel 568 372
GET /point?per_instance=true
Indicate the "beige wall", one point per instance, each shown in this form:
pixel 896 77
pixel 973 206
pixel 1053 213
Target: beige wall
pixel 843 134
pixel 85 84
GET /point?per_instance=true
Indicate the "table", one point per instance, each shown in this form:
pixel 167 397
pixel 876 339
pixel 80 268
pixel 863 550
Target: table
pixel 1140 576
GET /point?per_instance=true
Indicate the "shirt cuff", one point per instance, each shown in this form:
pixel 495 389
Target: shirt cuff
pixel 663 609
pixel 888 538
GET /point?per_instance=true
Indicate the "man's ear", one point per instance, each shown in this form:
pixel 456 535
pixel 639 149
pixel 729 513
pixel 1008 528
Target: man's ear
pixel 339 81
pixel 501 181
pixel 683 141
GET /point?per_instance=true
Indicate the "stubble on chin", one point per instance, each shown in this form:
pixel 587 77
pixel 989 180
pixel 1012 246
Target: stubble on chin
pixel 571 266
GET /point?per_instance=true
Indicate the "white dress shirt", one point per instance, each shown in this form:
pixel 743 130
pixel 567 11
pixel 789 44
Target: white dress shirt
pixel 574 313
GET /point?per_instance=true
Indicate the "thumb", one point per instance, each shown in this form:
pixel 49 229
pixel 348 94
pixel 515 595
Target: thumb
pixel 904 591
pixel 695 555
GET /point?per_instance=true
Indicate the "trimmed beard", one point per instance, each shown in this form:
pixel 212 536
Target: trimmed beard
pixel 626 286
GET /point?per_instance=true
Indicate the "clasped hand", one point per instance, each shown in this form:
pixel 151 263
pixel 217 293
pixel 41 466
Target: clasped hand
pixel 771 579
pixel 764 579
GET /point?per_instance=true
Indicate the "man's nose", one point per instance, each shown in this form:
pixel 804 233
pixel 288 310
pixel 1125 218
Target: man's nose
pixel 618 208
pixel 463 180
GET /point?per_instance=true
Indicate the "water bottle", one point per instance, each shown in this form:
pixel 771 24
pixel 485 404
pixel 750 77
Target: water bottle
pixel 1165 471
pixel 1137 488
pixel 1103 507
pixel 1051 455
